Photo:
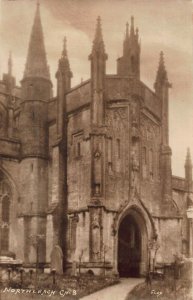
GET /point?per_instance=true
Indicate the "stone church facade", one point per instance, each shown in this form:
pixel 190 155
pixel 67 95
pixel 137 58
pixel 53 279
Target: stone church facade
pixel 90 169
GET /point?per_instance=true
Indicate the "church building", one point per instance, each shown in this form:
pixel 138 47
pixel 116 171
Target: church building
pixel 88 172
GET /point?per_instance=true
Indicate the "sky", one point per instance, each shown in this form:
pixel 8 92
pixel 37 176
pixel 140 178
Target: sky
pixel 164 25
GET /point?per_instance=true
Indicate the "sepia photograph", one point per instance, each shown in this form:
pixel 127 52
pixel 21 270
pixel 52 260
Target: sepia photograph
pixel 96 149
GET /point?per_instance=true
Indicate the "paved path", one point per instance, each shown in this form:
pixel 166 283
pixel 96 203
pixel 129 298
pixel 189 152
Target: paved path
pixel 115 292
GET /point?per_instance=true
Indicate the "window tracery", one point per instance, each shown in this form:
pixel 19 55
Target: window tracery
pixel 5 197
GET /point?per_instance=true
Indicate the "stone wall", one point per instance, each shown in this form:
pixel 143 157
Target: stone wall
pixel 79 96
pixel 168 230
pixel 10 170
pixel 33 185
pixel 79 160
pixel 117 154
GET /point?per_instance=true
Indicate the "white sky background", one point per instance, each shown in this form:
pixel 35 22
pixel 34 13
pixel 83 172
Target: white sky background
pixel 163 25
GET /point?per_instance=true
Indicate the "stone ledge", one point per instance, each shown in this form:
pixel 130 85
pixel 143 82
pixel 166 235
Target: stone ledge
pixel 9 148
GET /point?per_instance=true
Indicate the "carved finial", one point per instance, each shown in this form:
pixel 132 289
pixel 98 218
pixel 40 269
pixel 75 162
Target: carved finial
pixel 161 72
pixel 161 61
pixel 132 25
pixel 36 64
pixel 98 44
pixel 98 33
pixel 64 52
pixel 63 64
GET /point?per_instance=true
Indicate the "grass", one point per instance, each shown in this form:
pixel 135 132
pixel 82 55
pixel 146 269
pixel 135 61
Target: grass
pixel 167 289
pixel 75 287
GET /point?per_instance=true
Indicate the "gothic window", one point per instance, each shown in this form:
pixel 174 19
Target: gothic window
pixel 118 144
pixel 109 147
pixel 97 173
pixel 72 232
pixel 5 192
pixel 77 141
pixel 144 162
pixel 3 117
pixel 5 210
pixel 109 153
pixel 151 163
pixel 4 238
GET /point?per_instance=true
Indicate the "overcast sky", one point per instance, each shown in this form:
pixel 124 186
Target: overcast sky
pixel 163 25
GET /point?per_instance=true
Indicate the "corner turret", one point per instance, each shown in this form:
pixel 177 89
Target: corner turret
pixel 98 59
pixel 36 90
pixel 129 63
pixel 63 76
pixel 36 84
pixel 162 86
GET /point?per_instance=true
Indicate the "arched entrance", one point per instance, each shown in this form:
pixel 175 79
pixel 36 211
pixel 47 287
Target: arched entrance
pixel 132 245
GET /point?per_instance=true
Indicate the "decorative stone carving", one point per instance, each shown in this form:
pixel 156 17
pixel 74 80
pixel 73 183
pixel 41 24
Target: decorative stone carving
pixel 134 161
pixel 73 228
pixel 95 234
pixel 97 154
pixel 135 131
pixel 134 173
pixel 97 173
pixel 134 155
pixel 150 134
pixel 113 228
pixel 116 119
pixel 118 129
pixel 95 222
pixel 149 130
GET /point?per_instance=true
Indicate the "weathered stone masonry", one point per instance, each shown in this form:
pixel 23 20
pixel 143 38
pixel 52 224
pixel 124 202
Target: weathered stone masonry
pixel 75 167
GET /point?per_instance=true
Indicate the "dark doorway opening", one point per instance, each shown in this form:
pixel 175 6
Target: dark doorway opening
pixel 129 248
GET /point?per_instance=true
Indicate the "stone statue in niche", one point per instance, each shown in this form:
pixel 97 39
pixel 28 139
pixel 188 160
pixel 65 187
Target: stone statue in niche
pixel 113 228
pixel 134 173
pixel 95 222
pixel 149 130
pixel 134 111
pixel 95 237
pixel 97 173
pixel 134 130
pixel 97 154
pixel 134 161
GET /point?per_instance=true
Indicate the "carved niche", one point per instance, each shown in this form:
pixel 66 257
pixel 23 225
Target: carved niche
pixel 97 172
pixel 135 149
pixel 149 130
pixel 118 133
pixel 135 133
pixel 5 201
pixel 116 119
pixel 95 233
pixel 150 133
pixel 73 229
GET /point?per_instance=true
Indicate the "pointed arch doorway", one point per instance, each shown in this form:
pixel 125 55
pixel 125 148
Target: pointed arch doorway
pixel 132 245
